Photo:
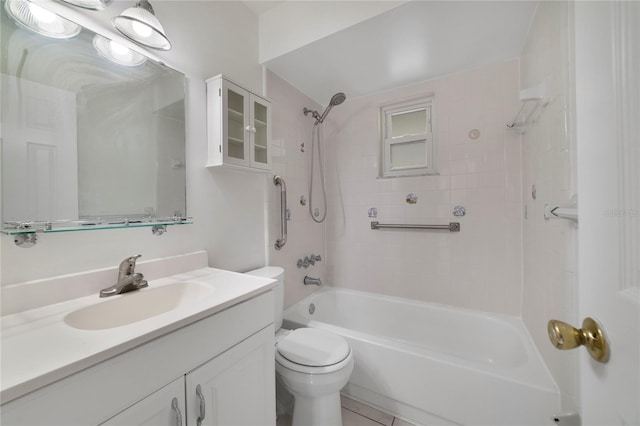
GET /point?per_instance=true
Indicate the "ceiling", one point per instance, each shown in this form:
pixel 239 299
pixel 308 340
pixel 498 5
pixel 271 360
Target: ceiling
pixel 261 6
pixel 414 42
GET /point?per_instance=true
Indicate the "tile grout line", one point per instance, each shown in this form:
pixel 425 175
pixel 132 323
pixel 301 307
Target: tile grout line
pixel 366 417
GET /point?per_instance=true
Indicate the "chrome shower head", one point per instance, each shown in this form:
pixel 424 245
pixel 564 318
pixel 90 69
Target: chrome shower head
pixel 337 99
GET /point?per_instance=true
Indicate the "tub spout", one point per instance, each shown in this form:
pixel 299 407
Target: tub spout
pixel 312 281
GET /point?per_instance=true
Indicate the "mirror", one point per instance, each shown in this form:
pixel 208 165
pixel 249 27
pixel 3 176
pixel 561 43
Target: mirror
pixel 87 141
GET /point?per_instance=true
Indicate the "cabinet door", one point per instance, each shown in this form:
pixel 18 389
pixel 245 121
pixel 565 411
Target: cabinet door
pixel 260 133
pixel 237 387
pixel 163 407
pixel 236 124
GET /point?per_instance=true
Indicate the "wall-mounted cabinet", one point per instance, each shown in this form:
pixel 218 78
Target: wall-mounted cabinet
pixel 238 126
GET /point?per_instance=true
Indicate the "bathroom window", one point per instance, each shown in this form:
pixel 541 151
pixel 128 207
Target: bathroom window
pixel 408 146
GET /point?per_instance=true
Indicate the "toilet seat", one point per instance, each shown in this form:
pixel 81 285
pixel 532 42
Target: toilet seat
pixel 313 351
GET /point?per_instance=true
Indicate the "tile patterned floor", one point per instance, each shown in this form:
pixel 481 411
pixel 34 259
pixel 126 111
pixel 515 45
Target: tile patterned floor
pixel 357 414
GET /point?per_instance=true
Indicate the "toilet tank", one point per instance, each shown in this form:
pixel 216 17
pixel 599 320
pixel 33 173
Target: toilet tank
pixel 276 273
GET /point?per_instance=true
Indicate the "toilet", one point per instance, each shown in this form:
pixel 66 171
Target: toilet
pixel 313 364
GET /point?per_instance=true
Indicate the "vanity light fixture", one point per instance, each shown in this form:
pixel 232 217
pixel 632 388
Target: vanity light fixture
pixel 31 16
pixel 90 4
pixel 116 52
pixel 139 24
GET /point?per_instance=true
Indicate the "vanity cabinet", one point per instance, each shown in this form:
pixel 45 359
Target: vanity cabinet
pixel 238 126
pixel 230 354
pixel 219 391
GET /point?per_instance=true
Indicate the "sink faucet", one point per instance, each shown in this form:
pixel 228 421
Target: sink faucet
pixel 128 279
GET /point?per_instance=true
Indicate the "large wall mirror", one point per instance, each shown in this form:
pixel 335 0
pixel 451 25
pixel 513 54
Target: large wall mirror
pixel 87 141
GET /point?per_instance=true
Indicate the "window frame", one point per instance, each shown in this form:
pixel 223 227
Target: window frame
pixel 386 113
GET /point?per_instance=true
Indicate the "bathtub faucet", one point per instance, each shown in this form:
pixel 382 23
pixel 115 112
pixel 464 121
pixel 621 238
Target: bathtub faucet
pixel 312 281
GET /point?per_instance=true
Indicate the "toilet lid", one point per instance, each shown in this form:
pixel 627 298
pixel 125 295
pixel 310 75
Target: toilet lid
pixel 313 347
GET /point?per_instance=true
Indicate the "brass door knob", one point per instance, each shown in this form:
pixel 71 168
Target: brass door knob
pixel 565 336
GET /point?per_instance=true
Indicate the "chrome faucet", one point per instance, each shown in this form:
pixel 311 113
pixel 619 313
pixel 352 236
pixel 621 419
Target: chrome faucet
pixel 312 281
pixel 128 279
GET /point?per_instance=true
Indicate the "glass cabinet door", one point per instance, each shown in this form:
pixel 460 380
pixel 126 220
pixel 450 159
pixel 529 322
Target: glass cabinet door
pixel 261 114
pixel 237 122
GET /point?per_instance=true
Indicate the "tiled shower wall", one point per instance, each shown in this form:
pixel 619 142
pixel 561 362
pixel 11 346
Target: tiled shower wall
pixel 548 163
pixel 291 141
pixel 479 267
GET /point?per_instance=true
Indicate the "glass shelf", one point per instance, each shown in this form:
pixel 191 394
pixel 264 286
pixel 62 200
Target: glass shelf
pixel 21 228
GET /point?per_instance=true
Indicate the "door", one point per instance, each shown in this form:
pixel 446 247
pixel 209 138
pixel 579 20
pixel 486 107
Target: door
pixel 39 141
pixel 607 114
pixel 164 407
pixel 237 387
pixel 236 124
pixel 260 133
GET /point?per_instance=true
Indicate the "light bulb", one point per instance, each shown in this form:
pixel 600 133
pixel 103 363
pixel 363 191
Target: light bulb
pixel 141 29
pixel 118 49
pixel 41 14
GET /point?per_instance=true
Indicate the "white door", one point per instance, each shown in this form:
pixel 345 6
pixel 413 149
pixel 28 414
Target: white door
pixel 260 133
pixel 235 388
pixel 235 116
pixel 39 140
pixel 608 162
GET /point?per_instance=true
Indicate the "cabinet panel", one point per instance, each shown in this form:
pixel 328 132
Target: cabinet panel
pixel 164 407
pixel 261 133
pixel 237 387
pixel 235 110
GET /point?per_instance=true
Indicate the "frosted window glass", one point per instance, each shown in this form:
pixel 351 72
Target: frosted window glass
pixel 408 154
pixel 409 123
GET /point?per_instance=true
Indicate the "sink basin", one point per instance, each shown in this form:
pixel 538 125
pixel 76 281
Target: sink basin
pixel 138 305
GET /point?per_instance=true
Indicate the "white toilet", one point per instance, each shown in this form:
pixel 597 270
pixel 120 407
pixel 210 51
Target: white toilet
pixel 313 364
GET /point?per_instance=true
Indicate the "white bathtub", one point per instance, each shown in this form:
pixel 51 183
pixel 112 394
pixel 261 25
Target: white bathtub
pixel 434 364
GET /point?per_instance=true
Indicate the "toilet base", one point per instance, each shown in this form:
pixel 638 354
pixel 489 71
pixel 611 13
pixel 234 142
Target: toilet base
pixel 317 411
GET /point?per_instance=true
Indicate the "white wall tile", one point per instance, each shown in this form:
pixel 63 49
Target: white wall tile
pixel 457 269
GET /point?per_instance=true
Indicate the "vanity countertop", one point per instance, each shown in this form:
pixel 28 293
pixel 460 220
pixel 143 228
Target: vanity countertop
pixel 39 347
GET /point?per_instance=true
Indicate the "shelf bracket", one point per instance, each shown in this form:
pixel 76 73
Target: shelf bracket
pixel 25 240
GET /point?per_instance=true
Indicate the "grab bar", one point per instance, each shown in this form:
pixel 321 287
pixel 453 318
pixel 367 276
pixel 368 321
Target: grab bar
pixel 452 226
pixel 280 242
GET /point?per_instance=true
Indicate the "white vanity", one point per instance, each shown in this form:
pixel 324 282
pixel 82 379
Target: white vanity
pixel 195 347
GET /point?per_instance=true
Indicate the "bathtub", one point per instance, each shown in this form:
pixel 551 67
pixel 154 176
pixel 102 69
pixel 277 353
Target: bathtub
pixel 435 364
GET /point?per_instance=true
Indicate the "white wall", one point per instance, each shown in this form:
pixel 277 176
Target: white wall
pixel 291 129
pixel 548 162
pixel 228 207
pixel 479 267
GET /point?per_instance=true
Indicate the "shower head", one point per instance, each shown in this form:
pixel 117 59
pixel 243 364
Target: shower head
pixel 336 99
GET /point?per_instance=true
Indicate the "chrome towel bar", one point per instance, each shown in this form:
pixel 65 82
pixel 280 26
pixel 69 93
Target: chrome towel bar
pixel 452 226
pixel 278 181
